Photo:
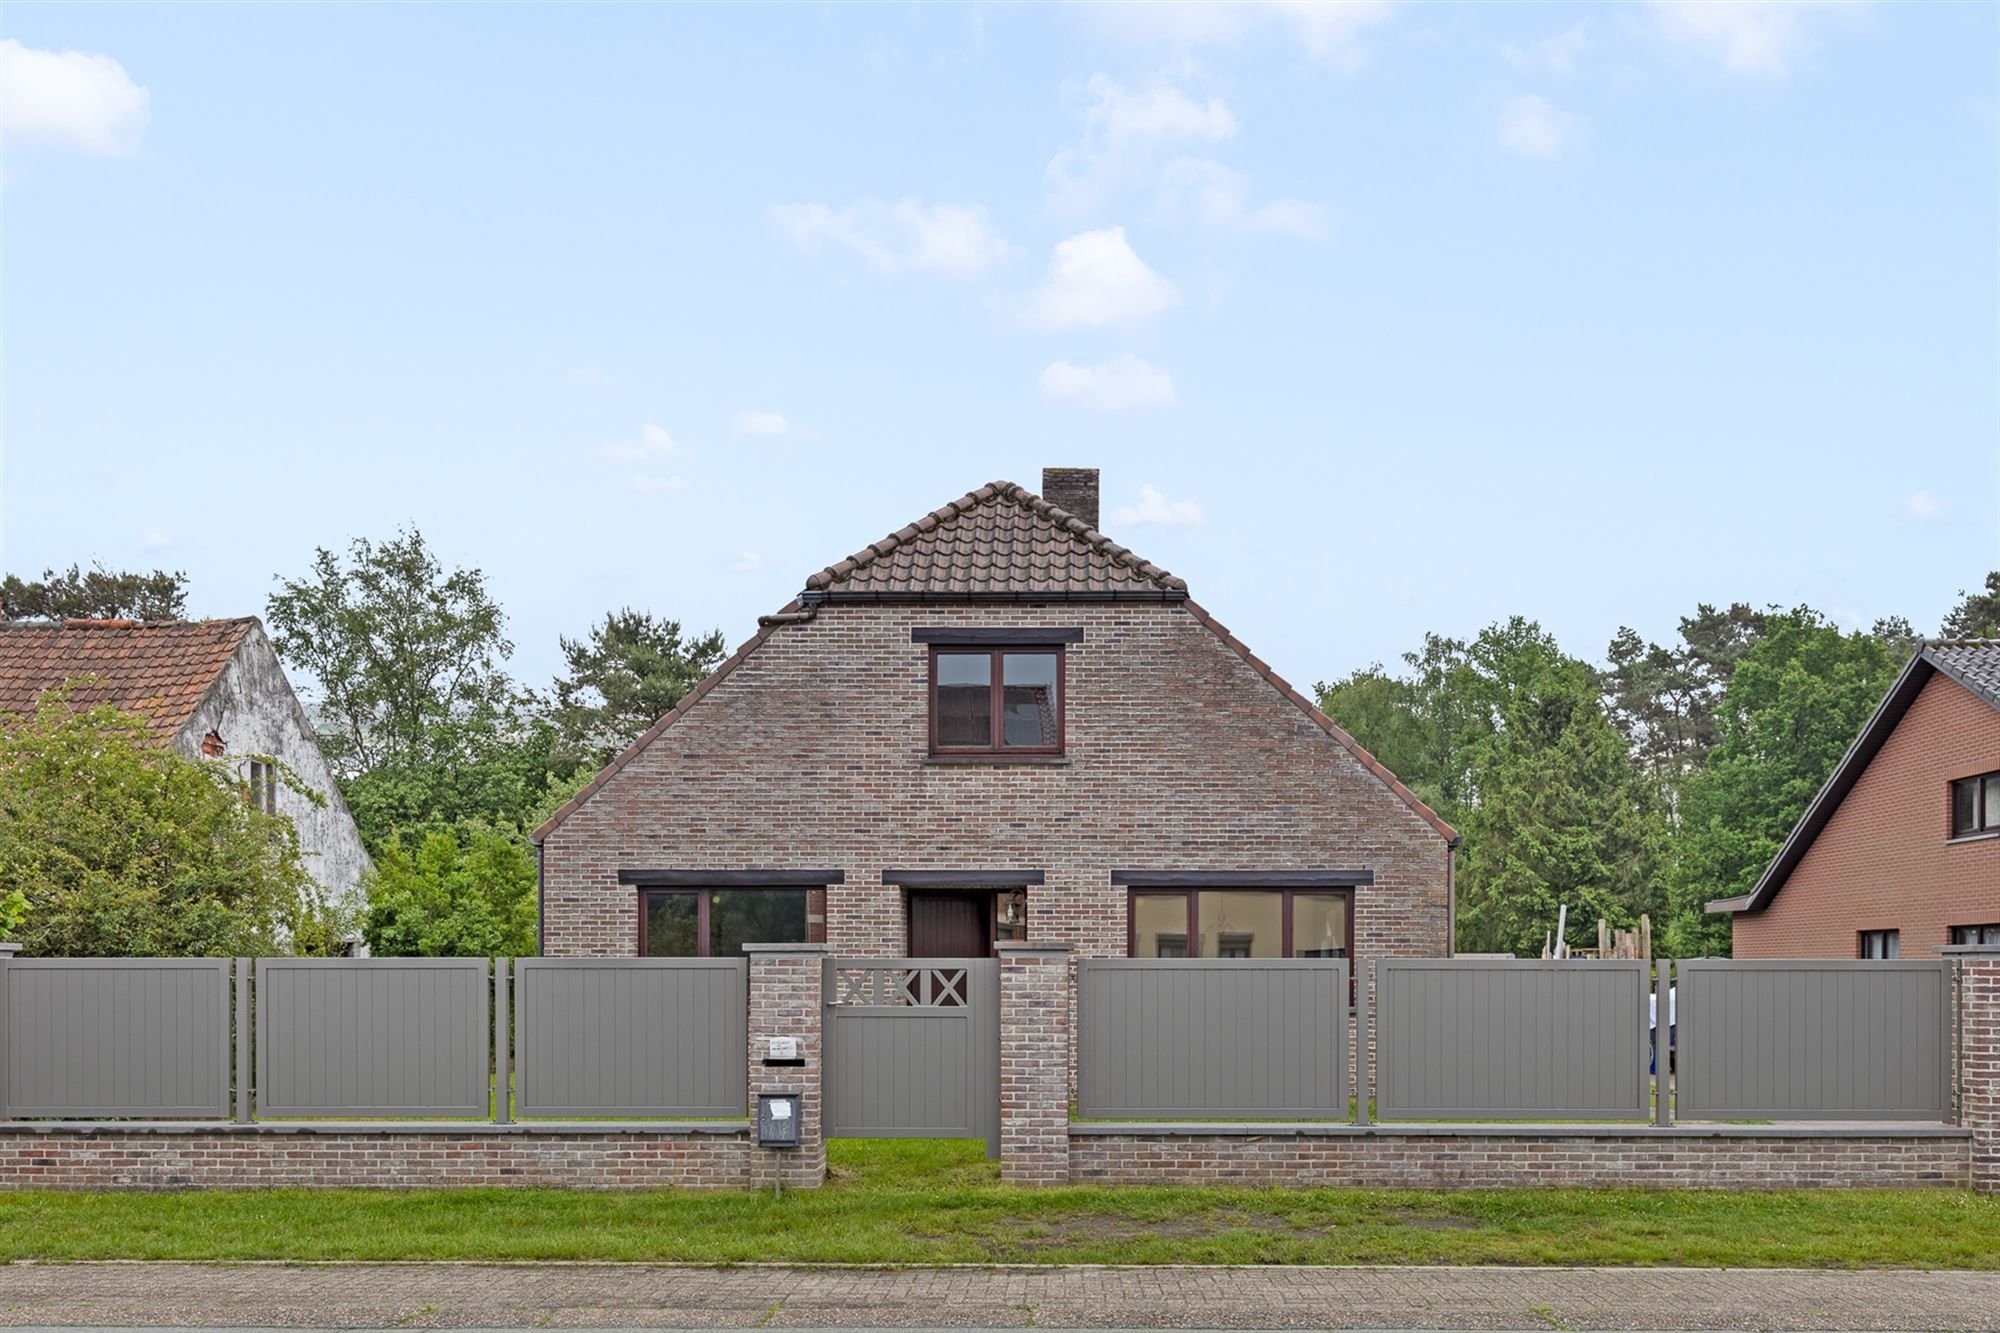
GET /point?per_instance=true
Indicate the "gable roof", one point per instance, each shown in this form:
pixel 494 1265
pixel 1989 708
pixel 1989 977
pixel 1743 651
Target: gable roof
pixel 161 670
pixel 1001 542
pixel 1972 663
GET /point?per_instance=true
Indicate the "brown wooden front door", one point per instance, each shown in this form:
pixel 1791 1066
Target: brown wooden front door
pixel 950 925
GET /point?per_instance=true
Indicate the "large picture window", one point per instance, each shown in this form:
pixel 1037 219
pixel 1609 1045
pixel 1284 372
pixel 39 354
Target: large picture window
pixel 1240 923
pixel 996 701
pixel 717 923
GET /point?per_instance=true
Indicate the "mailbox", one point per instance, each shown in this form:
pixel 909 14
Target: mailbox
pixel 778 1119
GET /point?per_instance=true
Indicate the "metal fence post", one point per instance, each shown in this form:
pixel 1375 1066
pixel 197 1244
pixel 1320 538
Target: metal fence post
pixel 7 951
pixel 245 1045
pixel 1663 1043
pixel 502 1047
pixel 1364 1043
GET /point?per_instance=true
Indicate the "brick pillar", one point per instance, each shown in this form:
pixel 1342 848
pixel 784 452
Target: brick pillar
pixel 786 999
pixel 1979 1058
pixel 1034 1064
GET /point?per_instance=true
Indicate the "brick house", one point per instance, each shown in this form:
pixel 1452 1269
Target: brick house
pixel 997 724
pixel 1899 854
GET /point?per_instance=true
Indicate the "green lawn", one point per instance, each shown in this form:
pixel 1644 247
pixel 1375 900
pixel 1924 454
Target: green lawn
pixel 941 1202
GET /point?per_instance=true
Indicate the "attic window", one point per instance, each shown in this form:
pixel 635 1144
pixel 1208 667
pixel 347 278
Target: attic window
pixel 1975 805
pixel 996 701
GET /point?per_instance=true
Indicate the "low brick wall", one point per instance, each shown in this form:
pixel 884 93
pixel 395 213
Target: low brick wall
pixel 165 1156
pixel 1459 1157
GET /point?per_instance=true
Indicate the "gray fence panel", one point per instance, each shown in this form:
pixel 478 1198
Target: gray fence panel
pixel 1213 1039
pixel 632 1037
pixel 116 1037
pixel 1828 1039
pixel 1480 1039
pixel 913 1048
pixel 372 1037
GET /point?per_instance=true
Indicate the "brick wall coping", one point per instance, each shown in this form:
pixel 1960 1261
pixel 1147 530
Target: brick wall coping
pixel 788 950
pixel 1242 1129
pixel 1970 950
pixel 452 1128
pixel 1023 947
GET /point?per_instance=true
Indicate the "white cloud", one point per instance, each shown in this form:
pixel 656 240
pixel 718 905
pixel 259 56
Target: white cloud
pixel 652 443
pixel 1155 510
pixel 1756 38
pixel 1554 54
pixel 1122 384
pixel 748 563
pixel 1536 127
pixel 908 236
pixel 755 422
pixel 658 485
pixel 1095 277
pixel 153 539
pixel 1217 196
pixel 70 99
pixel 1923 507
pixel 1326 30
pixel 1125 131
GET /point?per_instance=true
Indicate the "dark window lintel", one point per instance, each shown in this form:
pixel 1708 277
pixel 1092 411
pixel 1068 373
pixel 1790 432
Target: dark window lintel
pixel 981 879
pixel 1242 879
pixel 1001 638
pixel 728 879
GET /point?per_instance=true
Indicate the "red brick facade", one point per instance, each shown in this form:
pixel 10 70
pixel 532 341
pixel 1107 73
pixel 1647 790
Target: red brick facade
pixel 813 752
pixel 1885 860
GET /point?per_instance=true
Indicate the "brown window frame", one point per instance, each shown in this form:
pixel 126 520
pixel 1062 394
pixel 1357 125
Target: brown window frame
pixel 1984 821
pixel 701 895
pixel 1192 895
pixel 1890 935
pixel 997 701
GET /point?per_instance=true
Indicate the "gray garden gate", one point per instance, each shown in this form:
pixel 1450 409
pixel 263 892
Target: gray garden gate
pixel 913 1049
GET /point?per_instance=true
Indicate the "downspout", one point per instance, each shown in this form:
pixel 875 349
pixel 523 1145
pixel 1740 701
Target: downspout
pixel 1451 899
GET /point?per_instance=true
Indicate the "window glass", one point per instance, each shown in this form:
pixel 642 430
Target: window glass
pixel 964 699
pixel 737 917
pixel 1159 925
pixel 1237 923
pixel 1028 683
pixel 1964 806
pixel 671 920
pixel 1880 943
pixel 1990 813
pixel 1010 914
pixel 1975 934
pixel 1319 925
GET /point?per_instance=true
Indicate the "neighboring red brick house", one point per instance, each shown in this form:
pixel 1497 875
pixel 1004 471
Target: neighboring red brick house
pixel 1899 854
pixel 997 724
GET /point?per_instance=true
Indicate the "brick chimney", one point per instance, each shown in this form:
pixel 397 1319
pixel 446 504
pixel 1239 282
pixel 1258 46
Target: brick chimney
pixel 1074 489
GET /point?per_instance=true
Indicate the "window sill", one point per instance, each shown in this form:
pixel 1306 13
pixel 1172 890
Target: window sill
pixel 996 760
pixel 1984 835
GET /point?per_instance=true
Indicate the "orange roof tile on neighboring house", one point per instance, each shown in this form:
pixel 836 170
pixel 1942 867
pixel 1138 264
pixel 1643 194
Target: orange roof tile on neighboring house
pixel 158 669
pixel 1001 542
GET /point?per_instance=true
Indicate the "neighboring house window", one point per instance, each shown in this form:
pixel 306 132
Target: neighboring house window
pixel 1880 944
pixel 1239 923
pixel 1975 805
pixel 1976 934
pixel 263 786
pixel 717 923
pixel 996 701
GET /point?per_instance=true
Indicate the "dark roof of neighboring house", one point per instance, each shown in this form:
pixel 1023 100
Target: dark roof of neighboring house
pixel 160 669
pixel 1973 663
pixel 1001 542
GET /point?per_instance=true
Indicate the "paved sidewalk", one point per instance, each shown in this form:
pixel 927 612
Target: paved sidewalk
pixel 667 1296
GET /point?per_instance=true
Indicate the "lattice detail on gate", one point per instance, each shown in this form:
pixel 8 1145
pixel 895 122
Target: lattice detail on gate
pixel 899 985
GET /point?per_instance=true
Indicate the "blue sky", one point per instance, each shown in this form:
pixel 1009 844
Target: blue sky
pixel 1377 319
